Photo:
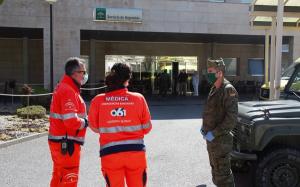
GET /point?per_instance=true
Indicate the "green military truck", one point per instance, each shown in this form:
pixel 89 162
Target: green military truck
pixel 267 137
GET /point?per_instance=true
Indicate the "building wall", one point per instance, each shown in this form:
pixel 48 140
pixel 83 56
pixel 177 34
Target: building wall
pixel 29 14
pixel 243 52
pixel 180 16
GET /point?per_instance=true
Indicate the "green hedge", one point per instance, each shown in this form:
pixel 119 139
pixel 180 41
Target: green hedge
pixel 33 112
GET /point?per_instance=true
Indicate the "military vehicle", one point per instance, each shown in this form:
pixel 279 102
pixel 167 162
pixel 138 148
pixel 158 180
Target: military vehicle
pixel 267 137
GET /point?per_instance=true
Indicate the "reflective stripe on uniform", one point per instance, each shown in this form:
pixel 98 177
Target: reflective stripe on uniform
pixel 82 124
pixel 125 142
pixel 79 139
pixel 124 128
pixel 94 129
pixel 67 116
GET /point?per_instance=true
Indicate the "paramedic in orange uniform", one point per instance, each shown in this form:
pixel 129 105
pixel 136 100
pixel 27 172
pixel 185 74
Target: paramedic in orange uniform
pixel 68 122
pixel 122 118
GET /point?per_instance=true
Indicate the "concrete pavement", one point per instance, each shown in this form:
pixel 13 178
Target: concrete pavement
pixel 176 152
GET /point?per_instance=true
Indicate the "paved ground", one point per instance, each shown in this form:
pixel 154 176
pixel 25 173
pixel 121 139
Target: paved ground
pixel 177 154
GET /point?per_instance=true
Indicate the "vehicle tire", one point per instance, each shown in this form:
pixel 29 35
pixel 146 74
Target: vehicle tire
pixel 279 168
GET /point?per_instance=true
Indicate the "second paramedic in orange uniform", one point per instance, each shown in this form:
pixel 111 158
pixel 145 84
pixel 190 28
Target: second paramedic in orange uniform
pixel 122 118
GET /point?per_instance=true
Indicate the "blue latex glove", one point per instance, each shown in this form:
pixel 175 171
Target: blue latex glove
pixel 209 136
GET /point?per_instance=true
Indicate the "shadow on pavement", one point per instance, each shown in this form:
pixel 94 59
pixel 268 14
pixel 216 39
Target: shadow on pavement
pixel 176 112
pixel 241 180
pixel 180 107
pixel 244 179
pixel 175 107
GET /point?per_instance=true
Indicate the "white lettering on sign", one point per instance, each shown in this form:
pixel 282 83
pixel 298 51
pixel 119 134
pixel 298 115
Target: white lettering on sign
pixel 130 15
pixel 113 99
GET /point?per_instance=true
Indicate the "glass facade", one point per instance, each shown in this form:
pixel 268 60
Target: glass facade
pixel 146 69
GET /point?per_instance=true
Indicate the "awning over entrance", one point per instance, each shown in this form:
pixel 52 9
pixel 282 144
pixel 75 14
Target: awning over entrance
pixel 18 32
pixel 172 37
pixel 262 12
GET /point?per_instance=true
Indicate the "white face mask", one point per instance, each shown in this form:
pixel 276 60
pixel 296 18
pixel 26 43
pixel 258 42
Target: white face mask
pixel 85 79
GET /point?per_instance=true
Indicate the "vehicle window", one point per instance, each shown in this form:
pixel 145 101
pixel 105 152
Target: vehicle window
pixel 295 86
pixel 288 72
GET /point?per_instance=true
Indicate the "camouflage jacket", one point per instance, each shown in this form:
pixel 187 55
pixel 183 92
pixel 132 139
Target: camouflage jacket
pixel 221 109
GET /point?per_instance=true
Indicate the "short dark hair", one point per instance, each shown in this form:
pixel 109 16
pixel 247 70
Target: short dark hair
pixel 72 64
pixel 119 74
pixel 219 64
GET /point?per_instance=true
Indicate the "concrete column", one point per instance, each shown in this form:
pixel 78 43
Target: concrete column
pixel 279 33
pixel 46 45
pixel 296 47
pixel 199 65
pixel 92 63
pixel 272 62
pixel 100 60
pixel 213 50
pixel 25 60
pixel 291 51
pixel 205 53
pixel 267 54
pixel 66 45
pixel 153 74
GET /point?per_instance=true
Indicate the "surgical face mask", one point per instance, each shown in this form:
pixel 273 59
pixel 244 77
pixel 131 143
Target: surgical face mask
pixel 212 77
pixel 85 79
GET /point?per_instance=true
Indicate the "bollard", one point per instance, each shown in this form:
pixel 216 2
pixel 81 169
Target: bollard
pixel 27 112
pixel 12 97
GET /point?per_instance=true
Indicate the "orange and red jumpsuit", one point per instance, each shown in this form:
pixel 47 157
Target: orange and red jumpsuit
pixel 67 121
pixel 122 118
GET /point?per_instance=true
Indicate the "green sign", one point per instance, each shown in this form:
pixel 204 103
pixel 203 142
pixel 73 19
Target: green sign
pixel 129 15
pixel 100 13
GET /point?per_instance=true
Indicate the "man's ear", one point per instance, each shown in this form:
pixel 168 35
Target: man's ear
pixel 220 74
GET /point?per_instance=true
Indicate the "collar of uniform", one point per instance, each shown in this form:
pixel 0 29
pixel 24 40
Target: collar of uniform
pixel 117 90
pixel 69 81
pixel 214 89
pixel 223 84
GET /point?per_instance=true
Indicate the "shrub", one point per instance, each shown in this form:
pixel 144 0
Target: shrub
pixel 33 112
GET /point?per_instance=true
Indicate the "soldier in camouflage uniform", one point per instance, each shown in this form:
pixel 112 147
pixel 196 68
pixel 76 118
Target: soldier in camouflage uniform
pixel 219 118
